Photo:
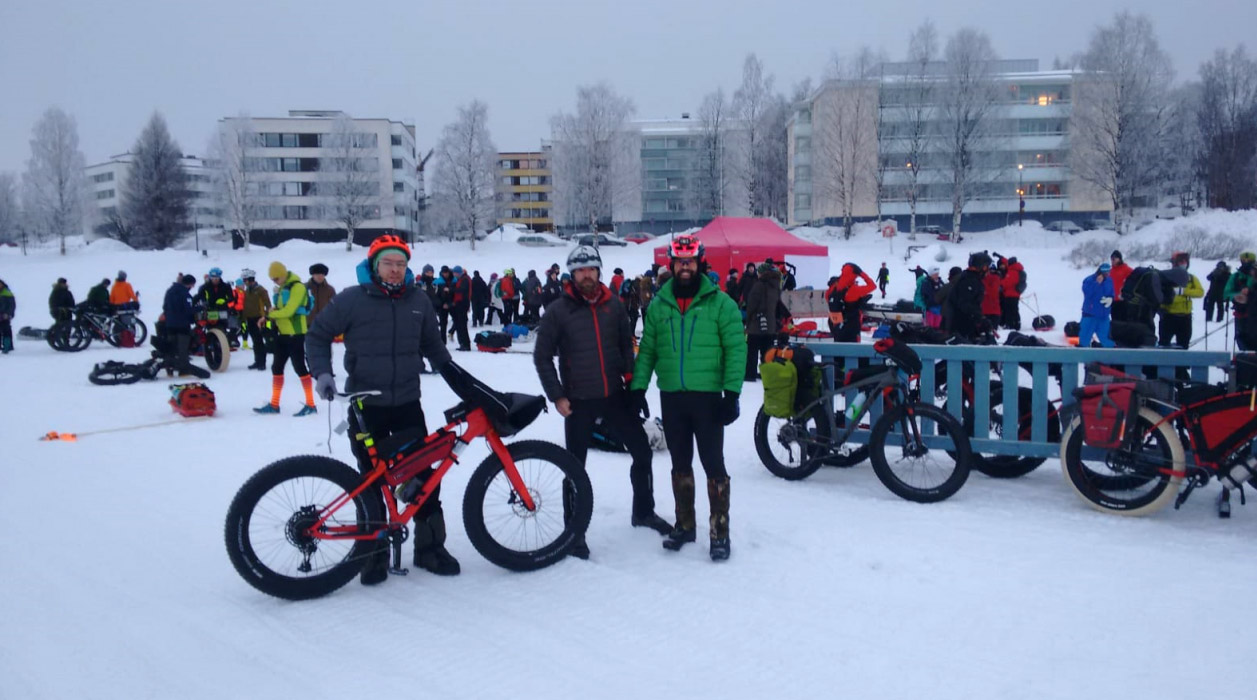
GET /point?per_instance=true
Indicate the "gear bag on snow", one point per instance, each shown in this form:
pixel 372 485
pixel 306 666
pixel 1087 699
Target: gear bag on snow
pixel 190 400
pixel 492 341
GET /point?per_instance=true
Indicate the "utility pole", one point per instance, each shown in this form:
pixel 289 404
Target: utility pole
pixel 1021 194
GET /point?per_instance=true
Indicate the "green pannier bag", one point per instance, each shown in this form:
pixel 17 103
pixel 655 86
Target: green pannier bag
pixel 780 381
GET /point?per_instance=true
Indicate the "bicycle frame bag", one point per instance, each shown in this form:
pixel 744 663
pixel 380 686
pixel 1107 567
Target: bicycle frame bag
pixel 1106 411
pixel 781 383
pixel 409 452
pixel 192 400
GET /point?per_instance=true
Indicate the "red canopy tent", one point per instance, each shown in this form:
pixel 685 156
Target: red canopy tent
pixel 731 242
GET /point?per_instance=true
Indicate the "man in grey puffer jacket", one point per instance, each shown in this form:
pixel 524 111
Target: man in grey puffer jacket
pixel 389 326
pixel 588 328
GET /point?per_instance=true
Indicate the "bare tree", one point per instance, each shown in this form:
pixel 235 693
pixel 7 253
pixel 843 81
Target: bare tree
pixel 351 177
pixel 772 159
pixel 1227 119
pixel 919 96
pixel 1182 148
pixel 965 106
pixel 10 214
pixel 1120 112
pixel 235 182
pixel 591 155
pixel 753 103
pixel 466 166
pixel 156 196
pixel 52 187
pixel 707 191
pixel 846 134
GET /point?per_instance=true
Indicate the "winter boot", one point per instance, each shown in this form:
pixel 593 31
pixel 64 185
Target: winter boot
pixel 718 497
pixel 652 521
pixel 580 549
pixel 683 531
pixel 376 569
pixel 430 553
pixel 1224 503
pixel 644 514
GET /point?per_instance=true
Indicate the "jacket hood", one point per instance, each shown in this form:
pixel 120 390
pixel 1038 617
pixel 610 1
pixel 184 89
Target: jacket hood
pixel 772 274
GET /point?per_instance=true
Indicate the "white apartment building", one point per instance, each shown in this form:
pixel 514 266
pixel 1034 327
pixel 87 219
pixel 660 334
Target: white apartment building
pixel 1025 154
pixel 289 158
pixel 106 181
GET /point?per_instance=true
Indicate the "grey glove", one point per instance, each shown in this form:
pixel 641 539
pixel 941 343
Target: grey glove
pixel 325 386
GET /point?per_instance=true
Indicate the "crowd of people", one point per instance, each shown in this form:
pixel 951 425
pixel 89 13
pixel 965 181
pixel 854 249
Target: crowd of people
pixel 984 295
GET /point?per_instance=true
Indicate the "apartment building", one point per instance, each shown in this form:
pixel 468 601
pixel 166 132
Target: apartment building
pixel 106 182
pixel 304 169
pixel 525 189
pixel 1023 155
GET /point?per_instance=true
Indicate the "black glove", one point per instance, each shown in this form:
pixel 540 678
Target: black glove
pixel 637 405
pixel 729 408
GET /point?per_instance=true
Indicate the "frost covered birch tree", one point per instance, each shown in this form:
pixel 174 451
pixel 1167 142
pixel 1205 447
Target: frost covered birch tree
pixel 156 196
pixel 10 214
pixel 753 106
pixel 1227 120
pixel 350 178
pixel 235 180
pixel 966 104
pixel 918 96
pixel 845 134
pixel 711 171
pixel 52 186
pixel 465 168
pixel 1120 113
pixel 592 156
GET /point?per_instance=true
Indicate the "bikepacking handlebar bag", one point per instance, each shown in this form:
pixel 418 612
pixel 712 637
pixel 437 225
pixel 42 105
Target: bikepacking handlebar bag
pixel 1107 411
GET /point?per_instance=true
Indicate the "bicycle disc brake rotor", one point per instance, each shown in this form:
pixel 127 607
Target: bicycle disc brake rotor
pixel 518 507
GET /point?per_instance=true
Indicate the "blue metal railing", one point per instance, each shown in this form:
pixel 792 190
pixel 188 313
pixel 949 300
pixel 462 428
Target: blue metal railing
pixel 840 357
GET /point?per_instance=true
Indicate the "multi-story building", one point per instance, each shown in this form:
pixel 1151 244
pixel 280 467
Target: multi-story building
pixel 676 164
pixel 525 189
pixel 297 165
pixel 106 182
pixel 1023 153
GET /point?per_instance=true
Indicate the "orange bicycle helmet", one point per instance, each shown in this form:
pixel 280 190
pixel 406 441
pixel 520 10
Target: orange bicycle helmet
pixel 685 247
pixel 386 242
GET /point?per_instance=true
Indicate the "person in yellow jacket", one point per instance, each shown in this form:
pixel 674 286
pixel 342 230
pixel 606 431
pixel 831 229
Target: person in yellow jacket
pixel 289 315
pixel 1176 314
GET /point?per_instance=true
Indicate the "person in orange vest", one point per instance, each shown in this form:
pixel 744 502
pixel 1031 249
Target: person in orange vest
pixel 848 295
pixel 123 293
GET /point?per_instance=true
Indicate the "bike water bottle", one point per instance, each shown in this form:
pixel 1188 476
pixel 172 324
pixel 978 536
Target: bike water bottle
pixel 856 407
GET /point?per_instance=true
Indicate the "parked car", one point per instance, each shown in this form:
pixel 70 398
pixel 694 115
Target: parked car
pixel 1063 227
pixel 1096 224
pixel 931 230
pixel 540 240
pixel 639 237
pixel 603 240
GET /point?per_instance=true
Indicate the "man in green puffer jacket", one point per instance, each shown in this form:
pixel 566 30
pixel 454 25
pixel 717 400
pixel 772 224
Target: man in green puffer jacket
pixel 692 339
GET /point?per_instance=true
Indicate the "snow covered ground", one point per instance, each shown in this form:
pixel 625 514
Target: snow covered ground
pixel 116 583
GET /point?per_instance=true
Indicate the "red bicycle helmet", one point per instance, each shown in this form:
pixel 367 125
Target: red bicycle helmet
pixel 385 242
pixel 685 247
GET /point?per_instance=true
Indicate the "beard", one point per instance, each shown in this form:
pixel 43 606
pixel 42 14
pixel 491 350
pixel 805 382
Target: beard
pixel 588 287
pixel 685 282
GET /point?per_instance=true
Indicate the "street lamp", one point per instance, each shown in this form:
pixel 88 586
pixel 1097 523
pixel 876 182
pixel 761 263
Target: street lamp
pixel 1021 194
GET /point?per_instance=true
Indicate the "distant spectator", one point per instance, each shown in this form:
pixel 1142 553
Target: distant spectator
pixel 122 295
pixel 1215 301
pixel 1097 303
pixel 1176 312
pixel 61 300
pixel 319 289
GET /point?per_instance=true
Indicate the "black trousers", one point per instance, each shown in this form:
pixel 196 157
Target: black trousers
pixel 756 346
pixel 258 338
pixel 181 339
pixel 478 317
pixel 1011 307
pixel 6 335
pixel 383 421
pixel 690 418
pixel 1175 329
pixel 578 430
pixel 1215 309
pixel 290 347
pixel 443 320
pixel 459 318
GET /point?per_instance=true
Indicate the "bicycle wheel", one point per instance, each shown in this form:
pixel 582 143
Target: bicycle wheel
pixel 509 535
pixel 1128 482
pixel 114 373
pixel 217 350
pixel 917 471
pixel 266 523
pixel 787 446
pixel 1009 466
pixel 69 336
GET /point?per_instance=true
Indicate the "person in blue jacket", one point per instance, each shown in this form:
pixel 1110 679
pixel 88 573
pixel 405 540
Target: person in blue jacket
pixel 1097 301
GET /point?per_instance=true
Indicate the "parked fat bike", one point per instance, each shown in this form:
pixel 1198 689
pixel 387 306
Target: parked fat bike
pixel 1125 450
pixel 919 451
pixel 304 526
pixel 88 323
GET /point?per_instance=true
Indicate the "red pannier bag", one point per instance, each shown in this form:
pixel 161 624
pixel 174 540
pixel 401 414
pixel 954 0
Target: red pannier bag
pixel 1107 411
pixel 192 400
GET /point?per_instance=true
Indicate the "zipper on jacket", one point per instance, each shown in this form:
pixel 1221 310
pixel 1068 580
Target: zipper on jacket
pixel 682 372
pixel 672 333
pixel 693 326
pixel 602 363
pixel 392 380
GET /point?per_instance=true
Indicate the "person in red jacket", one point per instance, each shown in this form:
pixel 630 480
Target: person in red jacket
pixel 1118 273
pixel 848 295
pixel 1011 288
pixel 991 297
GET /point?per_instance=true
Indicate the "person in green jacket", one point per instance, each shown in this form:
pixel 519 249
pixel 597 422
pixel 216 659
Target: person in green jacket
pixel 1243 277
pixel 289 315
pixel 692 340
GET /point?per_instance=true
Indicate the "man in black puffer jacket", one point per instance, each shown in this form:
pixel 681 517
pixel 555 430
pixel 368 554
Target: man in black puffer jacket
pixel 589 330
pixel 965 298
pixel 389 326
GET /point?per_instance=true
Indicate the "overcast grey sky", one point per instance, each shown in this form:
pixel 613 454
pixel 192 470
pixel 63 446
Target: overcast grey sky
pixel 111 64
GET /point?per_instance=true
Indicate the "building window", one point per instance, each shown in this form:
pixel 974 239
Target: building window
pixel 270 140
pixel 802 201
pixel 395 140
pixel 675 205
pixel 103 177
pixel 294 212
pixel 104 194
pixel 292 189
pixel 802 143
pixel 399 187
pixel 309 140
pixel 397 164
pixel 803 172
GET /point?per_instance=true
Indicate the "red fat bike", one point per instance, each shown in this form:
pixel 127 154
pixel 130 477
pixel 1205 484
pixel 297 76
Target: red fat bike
pixel 304 526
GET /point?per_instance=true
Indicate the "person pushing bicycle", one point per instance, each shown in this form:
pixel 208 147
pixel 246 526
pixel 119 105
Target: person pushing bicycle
pixel 389 326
